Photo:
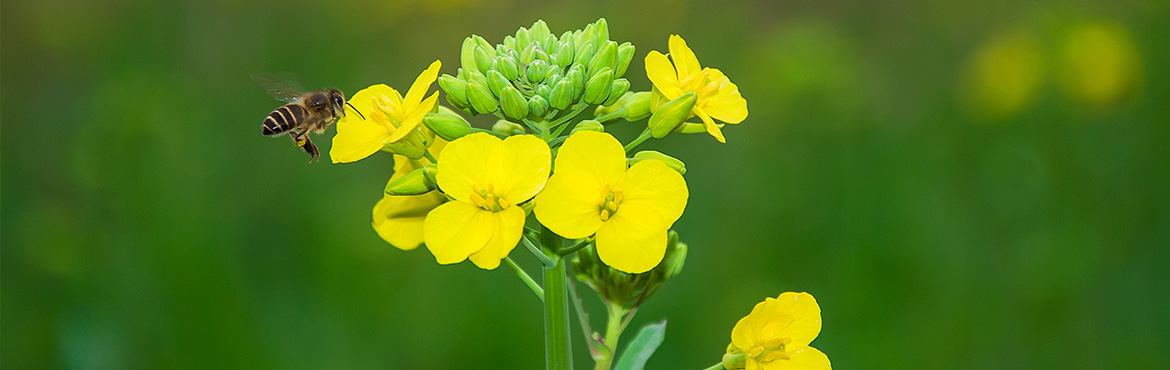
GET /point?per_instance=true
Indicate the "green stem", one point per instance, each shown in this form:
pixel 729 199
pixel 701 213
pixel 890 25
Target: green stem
pixel 643 137
pixel 557 342
pixel 613 332
pixel 576 110
pixel 525 278
pixel 718 366
pixel 544 259
pixel 427 153
pixel 493 133
pixel 576 247
pixel 612 116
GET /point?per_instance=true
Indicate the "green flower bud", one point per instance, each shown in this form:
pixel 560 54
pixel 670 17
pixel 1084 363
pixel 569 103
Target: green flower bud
pixel 676 256
pixel 670 115
pixel 671 162
pixel 577 84
pixel 510 42
pixel 508 128
pixel 455 88
pixel 539 30
pixel 413 183
pixel 447 124
pixel 601 30
pixel 497 82
pixel 502 50
pixel 584 53
pixel 734 361
pixel 528 54
pixel 431 174
pixel 476 76
pixel 693 128
pixel 537 105
pixel 625 53
pixel 467 53
pixel 545 92
pixel 553 71
pixel 564 53
pixel 413 145
pixel 535 71
pixel 598 87
pixel 587 125
pixel 549 43
pixel 604 57
pixel 618 88
pixel 481 97
pixel 485 58
pixel 552 80
pixel 522 40
pixel 506 65
pixel 562 95
pixel 484 43
pixel 590 34
pixel 513 103
pixel 638 107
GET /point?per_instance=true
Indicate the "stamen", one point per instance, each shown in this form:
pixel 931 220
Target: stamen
pixel 605 215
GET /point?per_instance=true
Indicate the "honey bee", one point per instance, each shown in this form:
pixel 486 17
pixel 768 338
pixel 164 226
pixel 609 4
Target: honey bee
pixel 305 112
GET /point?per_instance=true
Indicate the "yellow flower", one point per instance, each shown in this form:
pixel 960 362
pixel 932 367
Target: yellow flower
pixel 399 219
pixel 718 98
pixel 776 334
pixel 629 209
pixel 488 178
pixel 390 119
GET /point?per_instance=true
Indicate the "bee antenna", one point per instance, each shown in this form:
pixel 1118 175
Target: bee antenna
pixel 356 110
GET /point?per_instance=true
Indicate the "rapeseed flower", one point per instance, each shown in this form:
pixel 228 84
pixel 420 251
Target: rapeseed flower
pixel 718 98
pixel 776 334
pixel 629 209
pixel 391 121
pixel 398 219
pixel 487 178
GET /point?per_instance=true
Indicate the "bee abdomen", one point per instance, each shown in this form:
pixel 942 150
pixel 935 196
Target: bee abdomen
pixel 282 119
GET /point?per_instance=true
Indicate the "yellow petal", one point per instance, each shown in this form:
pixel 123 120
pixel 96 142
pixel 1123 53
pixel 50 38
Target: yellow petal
pixel 633 240
pixel 399 219
pixel 463 165
pixel 509 226
pixel 743 334
pixel 598 155
pixel 806 318
pixel 684 59
pixel 411 122
pixel 420 86
pixel 456 230
pixel 727 105
pixel 569 205
pixel 807 358
pixel 519 167
pixel 357 139
pixel 662 75
pixel 653 185
pixel 712 128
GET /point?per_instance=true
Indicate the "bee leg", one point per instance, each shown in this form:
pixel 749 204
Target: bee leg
pixel 310 148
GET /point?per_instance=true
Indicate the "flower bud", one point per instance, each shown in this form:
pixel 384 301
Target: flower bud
pixel 564 53
pixel 577 84
pixel 523 40
pixel 562 95
pixel 618 89
pixel 604 57
pixel 598 87
pixel 625 53
pixel 506 65
pixel 413 145
pixel 587 125
pixel 670 115
pixel 497 82
pixel 510 42
pixel 638 107
pixel 554 71
pixel 481 97
pixel 485 58
pixel 549 43
pixel 413 183
pixel 544 91
pixel 455 88
pixel 508 128
pixel 671 162
pixel 693 128
pixel 447 124
pixel 601 30
pixel 512 103
pixel 477 76
pixel 539 30
pixel 584 53
pixel 467 53
pixel 537 105
pixel 528 54
pixel 431 174
pixel 676 256
pixel 535 70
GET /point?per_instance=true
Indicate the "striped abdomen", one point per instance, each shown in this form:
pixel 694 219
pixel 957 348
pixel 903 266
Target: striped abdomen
pixel 283 119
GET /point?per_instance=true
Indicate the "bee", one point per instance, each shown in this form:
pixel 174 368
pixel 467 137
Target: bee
pixel 305 112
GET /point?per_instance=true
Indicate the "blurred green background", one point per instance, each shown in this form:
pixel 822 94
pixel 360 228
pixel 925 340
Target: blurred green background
pixel 974 185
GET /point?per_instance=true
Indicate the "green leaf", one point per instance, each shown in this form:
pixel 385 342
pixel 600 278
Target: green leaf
pixel 643 345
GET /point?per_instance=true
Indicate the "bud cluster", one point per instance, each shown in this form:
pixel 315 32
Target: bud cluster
pixel 625 289
pixel 537 75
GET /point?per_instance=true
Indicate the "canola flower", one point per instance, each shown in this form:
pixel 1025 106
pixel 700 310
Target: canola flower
pixel 716 97
pixel 629 209
pixel 776 336
pixel 392 121
pixel 398 219
pixel 487 178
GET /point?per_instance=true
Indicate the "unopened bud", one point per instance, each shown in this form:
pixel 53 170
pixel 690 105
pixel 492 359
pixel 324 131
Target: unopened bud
pixel 618 88
pixel 447 124
pixel 475 76
pixel 431 174
pixel 670 115
pixel 413 183
pixel 539 30
pixel 638 106
pixel 562 95
pixel 604 57
pixel 584 53
pixel 577 83
pixel 693 128
pixel 497 82
pixel 564 53
pixel 506 65
pixel 537 105
pixel 485 58
pixel 481 97
pixel 672 162
pixel 676 256
pixel 598 88
pixel 522 40
pixel 625 53
pixel 513 103
pixel 587 125
pixel 455 88
pixel 601 29
pixel 414 145
pixel 467 53
pixel 535 70
pixel 508 128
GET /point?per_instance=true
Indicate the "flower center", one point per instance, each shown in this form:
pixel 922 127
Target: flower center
pixel 487 199
pixel 702 85
pixel 771 350
pixel 612 197
pixel 388 116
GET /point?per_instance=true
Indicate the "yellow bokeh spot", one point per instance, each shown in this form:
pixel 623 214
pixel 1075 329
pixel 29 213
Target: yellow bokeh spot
pixel 1003 76
pixel 1099 64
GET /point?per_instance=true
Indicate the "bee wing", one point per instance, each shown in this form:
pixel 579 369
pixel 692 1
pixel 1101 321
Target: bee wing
pixel 286 89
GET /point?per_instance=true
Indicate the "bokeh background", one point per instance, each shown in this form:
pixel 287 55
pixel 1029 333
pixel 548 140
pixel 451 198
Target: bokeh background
pixel 971 185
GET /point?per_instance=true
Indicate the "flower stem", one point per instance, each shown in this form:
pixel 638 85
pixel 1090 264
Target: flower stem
pixel 576 247
pixel 525 278
pixel 544 259
pixel 718 366
pixel 427 153
pixel 643 137
pixel 614 324
pixel 557 342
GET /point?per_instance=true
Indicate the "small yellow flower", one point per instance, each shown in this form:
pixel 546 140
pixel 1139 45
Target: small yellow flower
pixel 488 178
pixel 718 98
pixel 629 209
pixel 399 219
pixel 390 119
pixel 776 334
